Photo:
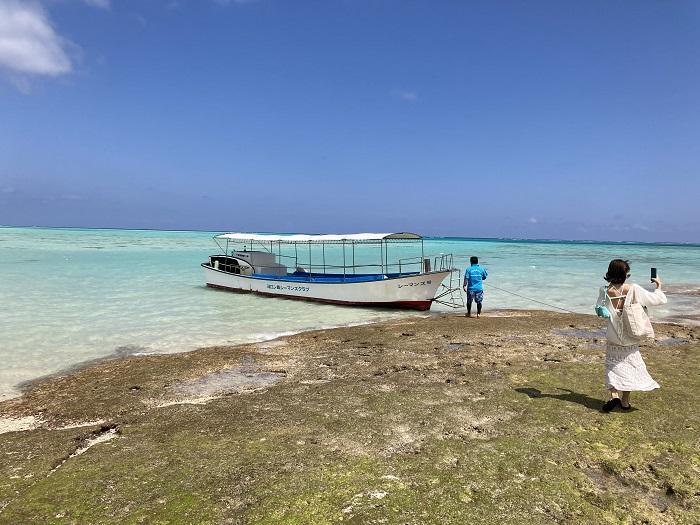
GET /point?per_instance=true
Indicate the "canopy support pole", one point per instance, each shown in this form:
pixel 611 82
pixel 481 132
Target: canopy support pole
pixel 381 255
pixel 386 256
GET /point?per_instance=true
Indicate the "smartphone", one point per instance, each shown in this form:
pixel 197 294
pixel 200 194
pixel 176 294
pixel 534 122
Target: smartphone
pixel 653 273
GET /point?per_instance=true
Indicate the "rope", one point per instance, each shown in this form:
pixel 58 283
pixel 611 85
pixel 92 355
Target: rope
pixel 533 300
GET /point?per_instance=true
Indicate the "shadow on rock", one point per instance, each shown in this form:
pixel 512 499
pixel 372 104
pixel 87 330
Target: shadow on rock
pixel 569 396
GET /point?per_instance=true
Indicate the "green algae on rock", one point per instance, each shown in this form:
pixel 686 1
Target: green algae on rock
pixel 436 420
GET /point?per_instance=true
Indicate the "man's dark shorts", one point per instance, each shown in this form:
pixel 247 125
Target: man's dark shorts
pixel 475 295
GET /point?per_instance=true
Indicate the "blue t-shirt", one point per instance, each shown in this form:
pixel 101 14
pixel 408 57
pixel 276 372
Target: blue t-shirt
pixel 473 277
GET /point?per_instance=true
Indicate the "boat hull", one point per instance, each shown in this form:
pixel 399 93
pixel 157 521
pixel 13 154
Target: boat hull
pixel 414 292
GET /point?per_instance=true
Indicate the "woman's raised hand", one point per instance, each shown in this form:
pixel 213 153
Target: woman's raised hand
pixel 657 281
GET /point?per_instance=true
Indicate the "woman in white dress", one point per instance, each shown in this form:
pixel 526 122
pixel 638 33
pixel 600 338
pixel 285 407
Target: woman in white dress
pixel 624 367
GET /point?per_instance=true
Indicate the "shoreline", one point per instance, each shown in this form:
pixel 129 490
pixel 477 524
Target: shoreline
pixel 27 387
pixel 119 354
pixel 441 419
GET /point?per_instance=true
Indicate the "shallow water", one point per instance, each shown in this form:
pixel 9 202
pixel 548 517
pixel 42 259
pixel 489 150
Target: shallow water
pixel 70 295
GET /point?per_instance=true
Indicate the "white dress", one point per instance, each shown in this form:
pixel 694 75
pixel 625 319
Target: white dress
pixel 624 367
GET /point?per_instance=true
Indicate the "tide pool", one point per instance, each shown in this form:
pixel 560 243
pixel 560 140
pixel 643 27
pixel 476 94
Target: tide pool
pixel 71 295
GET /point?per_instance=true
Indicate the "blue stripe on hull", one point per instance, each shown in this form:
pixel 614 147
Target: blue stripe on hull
pixel 331 278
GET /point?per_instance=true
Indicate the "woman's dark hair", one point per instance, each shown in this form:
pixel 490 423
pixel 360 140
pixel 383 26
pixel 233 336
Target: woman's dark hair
pixel 473 259
pixel 618 271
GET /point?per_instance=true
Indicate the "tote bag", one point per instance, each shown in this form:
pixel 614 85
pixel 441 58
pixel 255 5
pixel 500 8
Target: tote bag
pixel 635 321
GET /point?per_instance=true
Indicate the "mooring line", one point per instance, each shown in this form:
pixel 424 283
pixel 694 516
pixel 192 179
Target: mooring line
pixel 533 300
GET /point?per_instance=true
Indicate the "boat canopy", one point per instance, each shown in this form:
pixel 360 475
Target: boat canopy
pixel 342 238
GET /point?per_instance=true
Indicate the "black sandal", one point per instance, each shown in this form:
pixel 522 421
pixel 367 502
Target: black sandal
pixel 611 404
pixel 625 408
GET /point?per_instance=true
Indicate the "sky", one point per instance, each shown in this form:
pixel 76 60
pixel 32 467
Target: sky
pixel 528 119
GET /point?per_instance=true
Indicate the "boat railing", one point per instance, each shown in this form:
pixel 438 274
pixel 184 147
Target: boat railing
pixel 350 269
pixel 407 265
pixel 438 263
pixel 441 262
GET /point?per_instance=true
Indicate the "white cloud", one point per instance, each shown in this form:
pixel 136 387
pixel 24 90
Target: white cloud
pixel 532 220
pixel 408 96
pixel 237 2
pixel 104 4
pixel 28 43
pixel 139 19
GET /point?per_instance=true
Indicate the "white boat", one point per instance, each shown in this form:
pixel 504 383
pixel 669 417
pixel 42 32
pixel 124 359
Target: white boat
pixel 255 263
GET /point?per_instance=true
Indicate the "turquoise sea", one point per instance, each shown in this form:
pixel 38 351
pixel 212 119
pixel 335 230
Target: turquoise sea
pixel 71 295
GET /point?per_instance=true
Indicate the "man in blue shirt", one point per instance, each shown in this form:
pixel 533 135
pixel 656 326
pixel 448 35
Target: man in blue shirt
pixel 473 285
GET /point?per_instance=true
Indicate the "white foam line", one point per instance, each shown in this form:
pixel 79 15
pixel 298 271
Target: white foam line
pixel 266 338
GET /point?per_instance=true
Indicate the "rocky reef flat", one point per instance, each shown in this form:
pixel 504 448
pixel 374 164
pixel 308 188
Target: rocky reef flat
pixel 434 420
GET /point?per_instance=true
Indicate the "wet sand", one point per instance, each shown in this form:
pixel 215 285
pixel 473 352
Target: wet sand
pixel 436 420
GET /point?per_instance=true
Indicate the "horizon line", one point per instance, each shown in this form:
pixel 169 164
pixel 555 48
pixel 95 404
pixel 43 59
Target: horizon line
pixel 445 237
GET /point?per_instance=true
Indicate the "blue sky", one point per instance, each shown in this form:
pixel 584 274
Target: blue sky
pixel 540 119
